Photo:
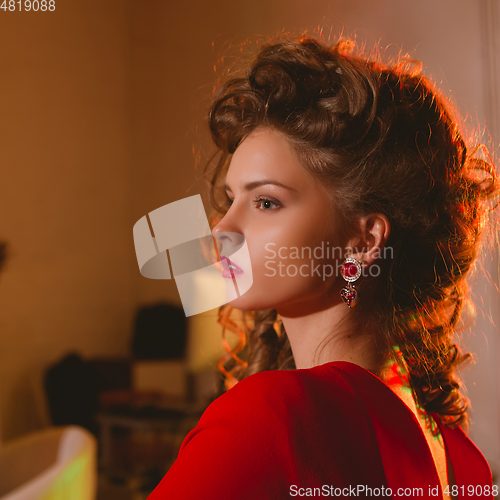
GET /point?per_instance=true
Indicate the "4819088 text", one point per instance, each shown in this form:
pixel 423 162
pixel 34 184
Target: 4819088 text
pixel 28 5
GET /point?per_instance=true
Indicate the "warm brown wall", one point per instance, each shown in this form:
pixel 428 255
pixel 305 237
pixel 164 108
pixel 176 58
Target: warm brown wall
pixel 99 102
pixel 171 79
pixel 64 203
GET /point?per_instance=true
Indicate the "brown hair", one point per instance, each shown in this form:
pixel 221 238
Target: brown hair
pixel 385 140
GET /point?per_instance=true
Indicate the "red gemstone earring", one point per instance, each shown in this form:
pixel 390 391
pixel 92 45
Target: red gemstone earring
pixel 351 271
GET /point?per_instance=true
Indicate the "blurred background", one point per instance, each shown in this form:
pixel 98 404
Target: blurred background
pixel 101 121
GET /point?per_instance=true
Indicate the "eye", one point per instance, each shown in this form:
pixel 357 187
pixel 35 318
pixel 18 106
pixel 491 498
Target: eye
pixel 228 202
pixel 266 203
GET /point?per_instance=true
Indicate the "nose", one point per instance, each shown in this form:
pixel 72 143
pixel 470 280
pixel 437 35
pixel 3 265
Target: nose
pixel 228 243
pixel 228 224
pixel 228 236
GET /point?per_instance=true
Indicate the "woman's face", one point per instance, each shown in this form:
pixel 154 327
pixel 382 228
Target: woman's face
pixel 284 214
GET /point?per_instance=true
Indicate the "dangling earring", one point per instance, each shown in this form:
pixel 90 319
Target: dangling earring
pixel 351 271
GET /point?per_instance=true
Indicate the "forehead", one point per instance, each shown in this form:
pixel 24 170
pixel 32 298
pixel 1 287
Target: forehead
pixel 266 153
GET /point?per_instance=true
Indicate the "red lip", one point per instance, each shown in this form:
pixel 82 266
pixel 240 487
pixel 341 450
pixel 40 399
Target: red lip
pixel 230 268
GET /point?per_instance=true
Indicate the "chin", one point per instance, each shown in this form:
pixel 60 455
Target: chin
pixel 251 301
pixel 249 305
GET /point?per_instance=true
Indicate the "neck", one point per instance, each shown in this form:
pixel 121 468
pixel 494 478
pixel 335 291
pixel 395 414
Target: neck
pixel 325 335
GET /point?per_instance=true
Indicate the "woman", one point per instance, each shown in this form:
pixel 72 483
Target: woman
pixel 334 162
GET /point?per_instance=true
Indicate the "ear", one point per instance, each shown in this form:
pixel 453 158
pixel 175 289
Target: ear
pixel 373 233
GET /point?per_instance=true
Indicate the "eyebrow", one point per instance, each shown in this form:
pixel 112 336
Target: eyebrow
pixel 263 182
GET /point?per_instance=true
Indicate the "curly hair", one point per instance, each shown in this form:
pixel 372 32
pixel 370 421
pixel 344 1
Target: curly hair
pixel 383 139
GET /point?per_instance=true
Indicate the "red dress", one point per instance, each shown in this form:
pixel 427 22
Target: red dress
pixel 335 430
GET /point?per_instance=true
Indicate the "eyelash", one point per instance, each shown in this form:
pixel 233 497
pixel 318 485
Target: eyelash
pixel 257 200
pixel 260 199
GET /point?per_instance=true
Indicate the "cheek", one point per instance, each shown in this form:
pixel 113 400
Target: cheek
pixel 297 259
pixel 297 273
